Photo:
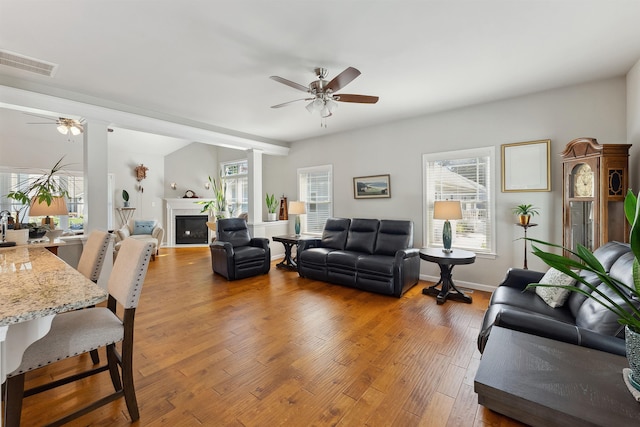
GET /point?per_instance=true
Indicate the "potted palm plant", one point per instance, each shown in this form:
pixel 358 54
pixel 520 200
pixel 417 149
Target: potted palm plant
pixel 42 189
pixel 525 212
pixel 272 206
pixel 628 312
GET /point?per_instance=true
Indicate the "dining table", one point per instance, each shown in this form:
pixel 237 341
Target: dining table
pixel 35 285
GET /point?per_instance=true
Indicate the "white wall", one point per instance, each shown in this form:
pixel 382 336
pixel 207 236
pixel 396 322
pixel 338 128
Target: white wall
pixel 190 168
pixel 633 124
pixel 590 110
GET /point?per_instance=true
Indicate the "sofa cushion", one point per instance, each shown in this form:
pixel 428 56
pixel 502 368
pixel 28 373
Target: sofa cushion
pixel 123 233
pixel 334 235
pixel 607 254
pixel 234 231
pixel 342 260
pixel 143 226
pixel 528 301
pixel 316 256
pixel 376 264
pixel 393 235
pixel 557 295
pixel 247 253
pixel 362 235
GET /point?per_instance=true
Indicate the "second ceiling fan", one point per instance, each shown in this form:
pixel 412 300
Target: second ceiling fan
pixel 323 94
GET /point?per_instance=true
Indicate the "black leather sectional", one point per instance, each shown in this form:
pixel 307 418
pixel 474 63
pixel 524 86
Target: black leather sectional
pixel 369 254
pixel 580 321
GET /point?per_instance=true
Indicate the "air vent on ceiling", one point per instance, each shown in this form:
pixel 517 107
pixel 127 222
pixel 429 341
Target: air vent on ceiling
pixel 21 62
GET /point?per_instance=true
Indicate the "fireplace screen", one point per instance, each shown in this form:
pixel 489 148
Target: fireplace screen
pixel 191 229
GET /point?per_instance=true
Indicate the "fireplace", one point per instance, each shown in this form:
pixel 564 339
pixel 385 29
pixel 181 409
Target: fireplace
pixel 191 229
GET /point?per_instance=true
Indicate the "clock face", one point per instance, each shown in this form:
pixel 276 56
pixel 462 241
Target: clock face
pixel 189 194
pixel 583 181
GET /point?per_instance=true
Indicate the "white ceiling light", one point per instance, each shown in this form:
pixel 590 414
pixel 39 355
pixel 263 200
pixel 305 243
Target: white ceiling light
pixel 69 125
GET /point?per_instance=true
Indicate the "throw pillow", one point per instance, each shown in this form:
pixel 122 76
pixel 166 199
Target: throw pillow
pixel 143 227
pixel 123 233
pixel 554 296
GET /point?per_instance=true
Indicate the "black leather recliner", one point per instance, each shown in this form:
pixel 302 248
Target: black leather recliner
pixel 235 254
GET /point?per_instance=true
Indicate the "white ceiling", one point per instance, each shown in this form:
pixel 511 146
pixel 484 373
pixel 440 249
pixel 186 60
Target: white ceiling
pixel 209 62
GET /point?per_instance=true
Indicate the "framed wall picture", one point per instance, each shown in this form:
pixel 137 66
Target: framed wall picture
pixel 526 166
pixel 372 187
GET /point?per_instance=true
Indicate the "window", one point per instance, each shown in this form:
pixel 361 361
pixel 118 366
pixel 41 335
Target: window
pixel 73 182
pixel 314 188
pixel 465 175
pixel 236 179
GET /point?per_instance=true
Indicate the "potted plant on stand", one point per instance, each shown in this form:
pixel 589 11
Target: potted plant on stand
pixel 125 198
pixel 272 206
pixel 628 312
pixel 525 212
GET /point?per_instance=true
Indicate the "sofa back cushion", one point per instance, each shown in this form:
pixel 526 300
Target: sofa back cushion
pixel 334 235
pixel 594 316
pixel 393 235
pixel 234 231
pixel 362 235
pixel 607 254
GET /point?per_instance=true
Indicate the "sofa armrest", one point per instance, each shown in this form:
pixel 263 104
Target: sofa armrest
pixel 519 278
pixel 406 253
pixel 222 246
pixel 546 327
pixel 259 242
pixel 158 233
pixel 406 270
pixel 304 244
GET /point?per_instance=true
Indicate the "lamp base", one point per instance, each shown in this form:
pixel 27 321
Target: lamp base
pixel 297 226
pixel 447 251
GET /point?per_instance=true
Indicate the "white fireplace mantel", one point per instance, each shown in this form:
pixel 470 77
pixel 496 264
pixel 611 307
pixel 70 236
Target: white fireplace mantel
pixel 182 206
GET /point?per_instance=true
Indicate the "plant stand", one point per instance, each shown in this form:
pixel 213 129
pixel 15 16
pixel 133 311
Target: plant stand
pixel 525 226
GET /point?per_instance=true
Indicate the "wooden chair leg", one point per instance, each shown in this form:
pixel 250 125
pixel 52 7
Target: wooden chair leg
pixel 95 357
pixel 112 362
pixel 14 393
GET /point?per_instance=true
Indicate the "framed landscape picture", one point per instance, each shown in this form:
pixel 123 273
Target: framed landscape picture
pixel 372 187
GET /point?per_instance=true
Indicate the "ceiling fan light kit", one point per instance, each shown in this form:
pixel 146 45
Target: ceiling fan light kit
pixel 323 94
pixel 69 125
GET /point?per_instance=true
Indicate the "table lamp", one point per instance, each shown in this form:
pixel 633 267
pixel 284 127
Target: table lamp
pixel 58 206
pixel 297 209
pixel 447 209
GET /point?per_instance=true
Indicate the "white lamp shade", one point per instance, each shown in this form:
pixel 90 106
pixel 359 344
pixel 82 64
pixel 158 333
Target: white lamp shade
pixel 447 209
pixel 58 206
pixel 297 208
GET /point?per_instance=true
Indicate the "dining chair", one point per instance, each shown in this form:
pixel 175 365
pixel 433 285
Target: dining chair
pixel 93 254
pixel 91 262
pixel 76 332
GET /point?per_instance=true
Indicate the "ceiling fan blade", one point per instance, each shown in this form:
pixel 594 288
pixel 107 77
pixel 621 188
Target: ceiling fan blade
pixel 41 123
pixel 290 83
pixel 342 79
pixel 362 99
pixel 284 104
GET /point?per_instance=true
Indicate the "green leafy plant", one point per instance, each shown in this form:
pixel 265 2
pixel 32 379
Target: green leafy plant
pixel 43 189
pixel 272 203
pixel 219 202
pixel 584 260
pixel 526 210
pixel 125 195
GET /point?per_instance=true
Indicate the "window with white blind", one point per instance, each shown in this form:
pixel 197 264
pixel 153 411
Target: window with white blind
pixel 467 176
pixel 235 176
pixel 315 189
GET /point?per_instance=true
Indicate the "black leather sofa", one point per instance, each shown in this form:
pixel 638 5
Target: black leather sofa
pixel 368 254
pixel 580 321
pixel 235 254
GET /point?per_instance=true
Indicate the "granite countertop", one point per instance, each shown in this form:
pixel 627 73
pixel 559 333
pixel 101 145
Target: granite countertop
pixel 35 283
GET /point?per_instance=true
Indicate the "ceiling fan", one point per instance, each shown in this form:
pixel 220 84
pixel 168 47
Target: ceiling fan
pixel 64 125
pixel 323 94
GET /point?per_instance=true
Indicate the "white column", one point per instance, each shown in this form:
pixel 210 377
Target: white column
pixel 95 175
pixel 254 161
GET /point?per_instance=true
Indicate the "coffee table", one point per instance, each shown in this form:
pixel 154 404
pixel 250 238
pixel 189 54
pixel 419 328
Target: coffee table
pixel 543 382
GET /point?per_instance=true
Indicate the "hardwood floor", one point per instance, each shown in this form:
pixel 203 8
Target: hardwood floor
pixel 281 350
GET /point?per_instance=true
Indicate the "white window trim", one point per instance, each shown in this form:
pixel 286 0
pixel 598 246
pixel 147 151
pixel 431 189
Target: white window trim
pixel 462 154
pixel 311 169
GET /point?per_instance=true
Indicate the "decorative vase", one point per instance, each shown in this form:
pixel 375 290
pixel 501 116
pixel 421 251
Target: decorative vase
pixel 272 216
pixel 632 342
pixel 126 203
pixel 524 219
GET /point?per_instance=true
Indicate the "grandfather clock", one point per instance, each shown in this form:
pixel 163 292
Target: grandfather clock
pixel 595 182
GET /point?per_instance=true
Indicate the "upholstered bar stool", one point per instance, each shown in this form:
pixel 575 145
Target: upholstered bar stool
pixel 76 332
